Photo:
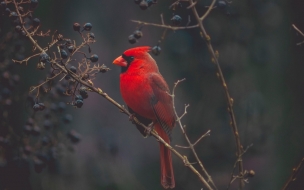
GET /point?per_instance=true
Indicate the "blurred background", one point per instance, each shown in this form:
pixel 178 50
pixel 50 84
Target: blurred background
pixel 260 60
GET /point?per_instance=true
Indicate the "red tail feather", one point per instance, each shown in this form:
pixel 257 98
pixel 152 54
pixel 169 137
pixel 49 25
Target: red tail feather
pixel 167 175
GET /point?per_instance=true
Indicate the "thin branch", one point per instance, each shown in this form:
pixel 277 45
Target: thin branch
pixel 203 136
pixel 297 29
pixel 223 81
pixel 294 174
pixel 208 11
pixel 197 141
pixel 165 26
pixel 26 59
pixel 47 80
pixel 191 146
pixel 233 177
pixel 185 112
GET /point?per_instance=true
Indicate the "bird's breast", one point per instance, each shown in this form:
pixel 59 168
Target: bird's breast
pixel 137 92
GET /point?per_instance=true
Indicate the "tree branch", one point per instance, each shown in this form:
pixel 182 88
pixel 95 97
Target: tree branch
pixel 191 146
pixel 222 79
pixel 294 174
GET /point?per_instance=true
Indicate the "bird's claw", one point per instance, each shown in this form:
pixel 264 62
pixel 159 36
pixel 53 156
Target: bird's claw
pixel 149 129
pixel 131 117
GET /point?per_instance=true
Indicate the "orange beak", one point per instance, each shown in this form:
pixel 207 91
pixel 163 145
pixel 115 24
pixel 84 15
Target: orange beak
pixel 120 62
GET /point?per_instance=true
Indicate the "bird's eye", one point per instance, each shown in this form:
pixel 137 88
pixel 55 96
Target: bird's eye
pixel 129 59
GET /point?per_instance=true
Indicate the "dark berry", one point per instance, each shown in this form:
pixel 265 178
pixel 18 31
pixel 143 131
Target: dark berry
pixel 132 39
pixel 34 4
pixel 61 46
pixel 5 143
pixel 67 77
pixel 2 6
pixel 13 15
pixel 73 69
pixel 71 49
pixel 47 114
pixel 16 79
pixel 63 54
pixel 27 150
pixel 138 34
pixel 137 1
pixel 38 165
pixel 36 107
pixel 150 2
pixel 47 124
pixel 27 129
pixel 36 22
pixel 76 27
pixel 35 131
pixel 91 35
pixel 68 42
pixel 45 140
pixel 22 33
pixel 67 118
pixel 61 106
pixel 5 93
pixel 176 20
pixel 30 121
pixel 156 50
pixel 143 5
pixel 16 22
pixel 7 11
pixel 87 26
pixel 83 92
pixel 8 102
pixel 18 28
pixel 78 97
pixel 44 57
pixel 94 58
pixel 42 106
pixel 53 107
pixel 74 136
pixel 221 4
pixel 78 103
pixel 43 157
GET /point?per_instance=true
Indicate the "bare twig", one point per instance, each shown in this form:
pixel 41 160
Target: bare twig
pixel 197 141
pixel 165 26
pixel 294 174
pixel 233 177
pixel 300 32
pixel 297 29
pixel 208 11
pixel 191 146
pixel 223 81
pixel 26 59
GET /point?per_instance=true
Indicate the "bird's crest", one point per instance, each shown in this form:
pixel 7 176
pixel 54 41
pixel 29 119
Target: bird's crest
pixel 137 50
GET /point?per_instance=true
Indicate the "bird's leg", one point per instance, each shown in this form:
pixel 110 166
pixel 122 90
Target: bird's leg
pixel 149 128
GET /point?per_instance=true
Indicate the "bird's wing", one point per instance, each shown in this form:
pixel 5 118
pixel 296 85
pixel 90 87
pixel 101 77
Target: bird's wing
pixel 161 102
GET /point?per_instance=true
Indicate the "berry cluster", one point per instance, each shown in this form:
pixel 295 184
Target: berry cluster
pixel 137 34
pixel 41 138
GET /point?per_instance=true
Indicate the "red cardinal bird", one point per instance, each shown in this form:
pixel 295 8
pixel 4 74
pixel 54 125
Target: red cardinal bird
pixel 146 94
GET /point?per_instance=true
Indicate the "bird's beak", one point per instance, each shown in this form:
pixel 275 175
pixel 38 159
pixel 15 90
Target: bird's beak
pixel 120 62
